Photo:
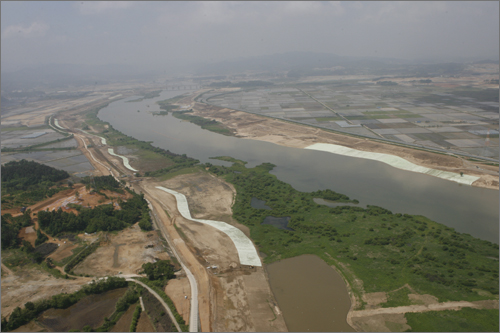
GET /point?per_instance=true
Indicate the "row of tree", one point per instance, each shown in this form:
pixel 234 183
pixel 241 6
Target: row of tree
pixel 100 218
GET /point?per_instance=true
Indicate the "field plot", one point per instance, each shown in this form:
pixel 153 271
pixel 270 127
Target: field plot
pixel 72 161
pixel 407 113
pixel 124 252
pixel 28 137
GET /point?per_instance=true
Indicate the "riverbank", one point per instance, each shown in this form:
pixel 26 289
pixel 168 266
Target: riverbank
pixel 255 127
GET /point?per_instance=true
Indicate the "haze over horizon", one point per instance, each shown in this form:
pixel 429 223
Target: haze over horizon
pixel 168 35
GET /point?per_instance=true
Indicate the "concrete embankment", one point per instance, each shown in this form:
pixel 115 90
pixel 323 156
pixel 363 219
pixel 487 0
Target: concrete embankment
pixel 125 160
pixel 103 140
pixel 394 161
pixel 246 250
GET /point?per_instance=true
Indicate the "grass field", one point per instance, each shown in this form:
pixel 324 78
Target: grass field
pixel 465 320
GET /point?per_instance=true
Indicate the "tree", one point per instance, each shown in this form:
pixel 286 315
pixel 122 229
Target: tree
pixel 159 270
pixel 30 306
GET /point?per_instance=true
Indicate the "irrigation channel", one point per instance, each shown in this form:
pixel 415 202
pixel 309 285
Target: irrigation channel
pixel 466 208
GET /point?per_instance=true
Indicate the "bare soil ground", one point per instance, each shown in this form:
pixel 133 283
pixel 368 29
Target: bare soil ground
pixel 32 284
pixel 144 324
pixel 256 127
pixel 241 299
pixel 28 234
pixel 124 252
pixel 123 324
pixel 63 251
pixel 35 113
pixel 177 289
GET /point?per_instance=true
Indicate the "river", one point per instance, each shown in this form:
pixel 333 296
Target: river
pixel 466 208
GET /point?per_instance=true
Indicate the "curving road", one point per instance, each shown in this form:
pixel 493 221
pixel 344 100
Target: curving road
pixel 165 305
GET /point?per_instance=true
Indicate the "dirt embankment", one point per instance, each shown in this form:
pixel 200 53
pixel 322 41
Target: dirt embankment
pixel 255 127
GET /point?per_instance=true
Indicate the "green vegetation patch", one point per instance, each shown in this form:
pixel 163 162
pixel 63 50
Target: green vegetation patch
pixel 229 159
pixel 22 128
pixel 211 125
pixel 135 318
pixel 384 250
pixel 465 320
pixel 26 182
pixel 398 298
pixel 11 227
pixel 182 171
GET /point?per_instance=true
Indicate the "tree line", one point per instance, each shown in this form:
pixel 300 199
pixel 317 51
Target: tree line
pixel 100 218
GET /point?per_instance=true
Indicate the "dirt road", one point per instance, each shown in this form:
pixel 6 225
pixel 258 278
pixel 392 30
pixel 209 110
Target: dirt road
pixel 393 319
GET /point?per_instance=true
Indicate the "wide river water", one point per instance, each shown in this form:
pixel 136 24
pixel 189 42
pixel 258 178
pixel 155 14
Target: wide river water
pixel 466 208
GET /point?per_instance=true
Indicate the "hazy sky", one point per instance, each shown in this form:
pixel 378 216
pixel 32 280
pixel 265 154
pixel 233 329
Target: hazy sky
pixel 159 33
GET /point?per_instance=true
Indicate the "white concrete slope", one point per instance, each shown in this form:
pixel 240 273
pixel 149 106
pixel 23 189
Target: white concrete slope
pixel 394 161
pixel 103 140
pixel 56 122
pixel 125 160
pixel 246 250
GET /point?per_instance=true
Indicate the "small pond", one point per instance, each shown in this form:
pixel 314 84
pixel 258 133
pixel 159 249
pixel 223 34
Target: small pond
pixel 312 295
pixel 259 204
pixel 278 222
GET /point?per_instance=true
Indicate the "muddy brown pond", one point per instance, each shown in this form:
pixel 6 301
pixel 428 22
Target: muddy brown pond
pixel 312 295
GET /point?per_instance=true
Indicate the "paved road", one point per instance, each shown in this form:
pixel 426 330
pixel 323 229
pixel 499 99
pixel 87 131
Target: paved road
pixel 165 305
